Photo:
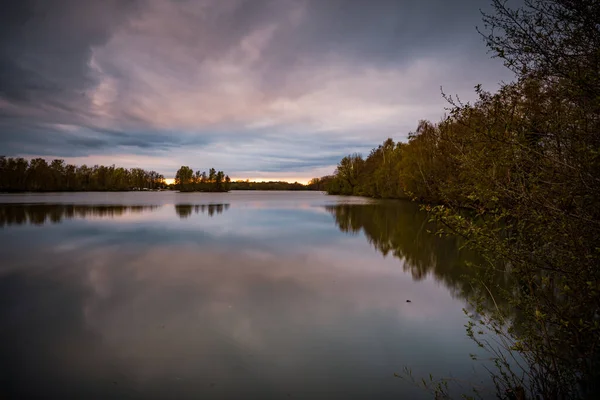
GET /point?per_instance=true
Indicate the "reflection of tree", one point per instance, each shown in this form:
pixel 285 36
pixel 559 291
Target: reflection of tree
pixel 401 229
pixel 185 210
pixel 39 214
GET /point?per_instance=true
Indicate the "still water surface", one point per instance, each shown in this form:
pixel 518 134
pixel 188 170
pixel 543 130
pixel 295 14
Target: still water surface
pixel 270 295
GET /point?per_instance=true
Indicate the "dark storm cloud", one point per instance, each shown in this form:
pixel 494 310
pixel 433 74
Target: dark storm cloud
pixel 49 141
pixel 235 81
pixel 291 165
pixel 385 30
pixel 45 46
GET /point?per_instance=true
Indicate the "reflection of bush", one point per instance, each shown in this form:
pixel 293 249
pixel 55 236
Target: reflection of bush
pixel 185 210
pixel 39 214
pixel 401 229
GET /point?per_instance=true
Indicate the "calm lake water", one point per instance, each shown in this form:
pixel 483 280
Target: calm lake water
pixel 269 295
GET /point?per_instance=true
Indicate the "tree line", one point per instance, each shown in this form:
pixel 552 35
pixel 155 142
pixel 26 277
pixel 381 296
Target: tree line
pixel 271 185
pixel 186 180
pixel 517 175
pixel 379 175
pixel 321 184
pixel 37 175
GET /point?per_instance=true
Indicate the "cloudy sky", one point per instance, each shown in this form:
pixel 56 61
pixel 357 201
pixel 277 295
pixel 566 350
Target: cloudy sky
pixel 262 89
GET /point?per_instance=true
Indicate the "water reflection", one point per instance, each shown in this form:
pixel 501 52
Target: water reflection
pixel 269 301
pixel 185 210
pixel 39 214
pixel 402 230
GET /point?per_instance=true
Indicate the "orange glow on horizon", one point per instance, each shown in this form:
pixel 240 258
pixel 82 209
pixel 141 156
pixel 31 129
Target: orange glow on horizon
pixel 303 181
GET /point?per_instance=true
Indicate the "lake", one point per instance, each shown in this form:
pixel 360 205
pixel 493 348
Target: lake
pixel 269 295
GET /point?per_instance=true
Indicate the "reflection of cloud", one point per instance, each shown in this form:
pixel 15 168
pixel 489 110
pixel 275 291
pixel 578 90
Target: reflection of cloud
pixel 173 307
pixel 254 304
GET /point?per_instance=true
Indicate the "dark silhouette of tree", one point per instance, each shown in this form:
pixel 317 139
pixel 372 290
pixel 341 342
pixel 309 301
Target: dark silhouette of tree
pixel 18 175
pixel 188 181
pixel 320 184
pixel 271 185
pixel 184 179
